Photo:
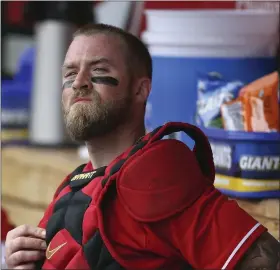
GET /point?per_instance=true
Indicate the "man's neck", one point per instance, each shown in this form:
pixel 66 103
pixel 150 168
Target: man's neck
pixel 103 150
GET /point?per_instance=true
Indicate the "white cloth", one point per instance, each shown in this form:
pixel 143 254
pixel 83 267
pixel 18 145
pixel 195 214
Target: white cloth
pixel 3 262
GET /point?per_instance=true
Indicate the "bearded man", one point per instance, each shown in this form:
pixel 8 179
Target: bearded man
pixel 140 203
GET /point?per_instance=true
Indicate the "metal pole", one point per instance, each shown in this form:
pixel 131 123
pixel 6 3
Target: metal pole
pixel 54 25
pixel 52 39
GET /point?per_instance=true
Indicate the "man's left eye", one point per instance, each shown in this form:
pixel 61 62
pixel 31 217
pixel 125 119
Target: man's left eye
pixel 100 69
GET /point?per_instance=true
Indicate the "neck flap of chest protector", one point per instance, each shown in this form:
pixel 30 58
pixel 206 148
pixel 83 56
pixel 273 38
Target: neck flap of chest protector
pixel 196 171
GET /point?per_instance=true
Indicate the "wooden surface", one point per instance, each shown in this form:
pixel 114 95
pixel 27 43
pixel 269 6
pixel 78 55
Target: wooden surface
pixel 31 176
pixel 266 212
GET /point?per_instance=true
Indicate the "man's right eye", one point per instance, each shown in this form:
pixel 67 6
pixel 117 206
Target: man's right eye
pixel 72 73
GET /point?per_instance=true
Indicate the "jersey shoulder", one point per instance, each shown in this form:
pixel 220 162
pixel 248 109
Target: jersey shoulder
pixel 160 181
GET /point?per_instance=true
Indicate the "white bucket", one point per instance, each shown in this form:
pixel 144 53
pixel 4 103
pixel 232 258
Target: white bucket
pixel 213 22
pixel 240 45
pixel 199 45
pixel 212 33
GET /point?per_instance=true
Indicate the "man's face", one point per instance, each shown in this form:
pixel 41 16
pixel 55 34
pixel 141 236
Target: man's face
pixel 96 95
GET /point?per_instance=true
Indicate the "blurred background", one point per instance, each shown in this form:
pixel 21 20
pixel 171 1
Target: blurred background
pixel 216 65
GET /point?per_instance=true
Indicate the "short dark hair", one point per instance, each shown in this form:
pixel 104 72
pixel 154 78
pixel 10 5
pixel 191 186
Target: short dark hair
pixel 138 57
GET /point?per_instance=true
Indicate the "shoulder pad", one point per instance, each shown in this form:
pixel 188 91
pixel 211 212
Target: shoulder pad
pixel 160 181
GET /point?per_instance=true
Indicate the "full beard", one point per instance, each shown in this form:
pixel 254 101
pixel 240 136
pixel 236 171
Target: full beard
pixel 88 120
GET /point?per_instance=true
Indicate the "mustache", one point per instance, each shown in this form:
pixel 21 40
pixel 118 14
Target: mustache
pixel 81 93
pixel 90 94
pixel 86 93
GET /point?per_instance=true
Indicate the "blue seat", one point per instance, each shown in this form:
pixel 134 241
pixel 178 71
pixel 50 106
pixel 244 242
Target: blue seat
pixel 16 92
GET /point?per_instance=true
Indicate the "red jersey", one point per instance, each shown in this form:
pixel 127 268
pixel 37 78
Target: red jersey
pixel 6 225
pixel 154 207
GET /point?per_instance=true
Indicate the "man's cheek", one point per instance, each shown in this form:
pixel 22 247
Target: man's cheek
pixel 67 84
pixel 66 97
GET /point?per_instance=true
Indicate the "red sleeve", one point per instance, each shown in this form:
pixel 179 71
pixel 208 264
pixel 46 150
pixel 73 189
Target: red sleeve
pixel 6 225
pixel 214 233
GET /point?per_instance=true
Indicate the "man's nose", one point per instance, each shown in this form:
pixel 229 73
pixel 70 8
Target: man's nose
pixel 82 81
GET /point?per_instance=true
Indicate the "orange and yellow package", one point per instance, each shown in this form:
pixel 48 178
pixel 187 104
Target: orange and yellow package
pixel 261 104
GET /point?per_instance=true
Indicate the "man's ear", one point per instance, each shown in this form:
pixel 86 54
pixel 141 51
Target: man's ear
pixel 143 88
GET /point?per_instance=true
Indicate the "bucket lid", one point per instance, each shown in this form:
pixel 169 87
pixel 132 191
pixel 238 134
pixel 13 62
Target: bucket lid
pixel 221 134
pixel 225 40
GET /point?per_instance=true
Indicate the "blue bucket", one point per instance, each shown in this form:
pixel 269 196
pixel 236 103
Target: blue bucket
pixel 174 87
pixel 247 163
pixel 240 45
pixel 181 56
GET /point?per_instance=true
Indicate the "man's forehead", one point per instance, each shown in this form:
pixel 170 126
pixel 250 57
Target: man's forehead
pixel 92 48
pixel 94 43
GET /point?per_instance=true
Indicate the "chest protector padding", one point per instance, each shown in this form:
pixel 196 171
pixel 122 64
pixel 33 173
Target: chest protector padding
pixel 170 176
pixel 72 203
pixel 68 214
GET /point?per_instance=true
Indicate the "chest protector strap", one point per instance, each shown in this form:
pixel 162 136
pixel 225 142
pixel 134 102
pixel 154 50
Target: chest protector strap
pixel 202 148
